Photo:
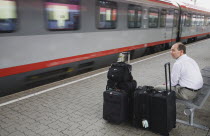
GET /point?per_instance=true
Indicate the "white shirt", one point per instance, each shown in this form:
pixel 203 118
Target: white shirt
pixel 186 73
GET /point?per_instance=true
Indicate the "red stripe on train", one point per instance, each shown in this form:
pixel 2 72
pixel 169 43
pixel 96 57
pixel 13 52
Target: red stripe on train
pixel 162 2
pixel 186 37
pixel 45 64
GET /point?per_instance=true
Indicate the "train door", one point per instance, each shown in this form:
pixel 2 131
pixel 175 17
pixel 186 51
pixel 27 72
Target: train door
pixel 169 27
pixel 184 26
pixel 176 26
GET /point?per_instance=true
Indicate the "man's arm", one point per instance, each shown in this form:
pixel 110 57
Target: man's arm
pixel 175 74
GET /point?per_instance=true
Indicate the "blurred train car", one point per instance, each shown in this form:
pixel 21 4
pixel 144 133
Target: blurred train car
pixel 194 23
pixel 46 40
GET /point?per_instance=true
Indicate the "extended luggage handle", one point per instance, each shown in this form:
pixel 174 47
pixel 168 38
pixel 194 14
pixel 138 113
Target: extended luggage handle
pixel 166 75
pixel 122 56
pixel 127 53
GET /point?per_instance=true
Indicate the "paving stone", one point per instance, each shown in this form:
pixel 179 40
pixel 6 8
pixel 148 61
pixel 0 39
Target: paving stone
pixel 11 128
pixel 30 133
pixel 23 128
pixel 3 132
pixel 74 126
pixel 208 133
pixel 17 133
pixel 59 126
pixel 71 132
pixel 83 125
pixel 37 127
pixel 183 130
pixel 50 131
pixel 81 133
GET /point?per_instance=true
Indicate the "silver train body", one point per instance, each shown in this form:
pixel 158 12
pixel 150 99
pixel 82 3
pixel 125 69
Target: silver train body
pixel 51 40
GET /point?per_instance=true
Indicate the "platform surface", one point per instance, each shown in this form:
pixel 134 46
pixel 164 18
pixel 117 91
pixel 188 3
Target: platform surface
pixel 73 107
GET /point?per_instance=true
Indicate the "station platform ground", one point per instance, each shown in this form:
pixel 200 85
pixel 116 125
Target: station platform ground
pixel 74 106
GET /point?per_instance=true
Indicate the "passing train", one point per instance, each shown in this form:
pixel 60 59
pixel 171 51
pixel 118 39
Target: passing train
pixel 46 40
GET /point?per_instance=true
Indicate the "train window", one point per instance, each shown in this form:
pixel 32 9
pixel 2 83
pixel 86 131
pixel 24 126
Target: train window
pixel 153 18
pixel 188 20
pixel 175 19
pixel 62 14
pixel 208 21
pixel 198 20
pixel 183 19
pixel 8 15
pixel 169 18
pixel 201 20
pixel 194 20
pixel 134 16
pixel 106 14
pixel 163 18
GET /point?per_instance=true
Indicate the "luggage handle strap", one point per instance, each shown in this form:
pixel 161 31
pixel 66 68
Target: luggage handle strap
pixel 167 75
pixel 128 55
pixel 114 87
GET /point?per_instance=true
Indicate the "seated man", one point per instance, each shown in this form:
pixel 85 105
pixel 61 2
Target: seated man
pixel 186 78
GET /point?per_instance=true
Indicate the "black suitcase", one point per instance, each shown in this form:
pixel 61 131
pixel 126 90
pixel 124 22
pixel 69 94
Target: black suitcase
pixel 163 109
pixel 120 72
pixel 115 106
pixel 141 106
pixel 129 88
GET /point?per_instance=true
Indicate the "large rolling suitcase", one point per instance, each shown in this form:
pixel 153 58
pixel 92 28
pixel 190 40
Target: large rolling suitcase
pixel 115 106
pixel 163 109
pixel 141 106
pixel 129 88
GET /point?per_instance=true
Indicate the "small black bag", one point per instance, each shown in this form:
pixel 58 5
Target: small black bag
pixel 128 86
pixel 120 72
pixel 111 85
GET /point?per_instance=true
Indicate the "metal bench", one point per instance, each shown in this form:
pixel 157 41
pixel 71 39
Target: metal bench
pixel 197 102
